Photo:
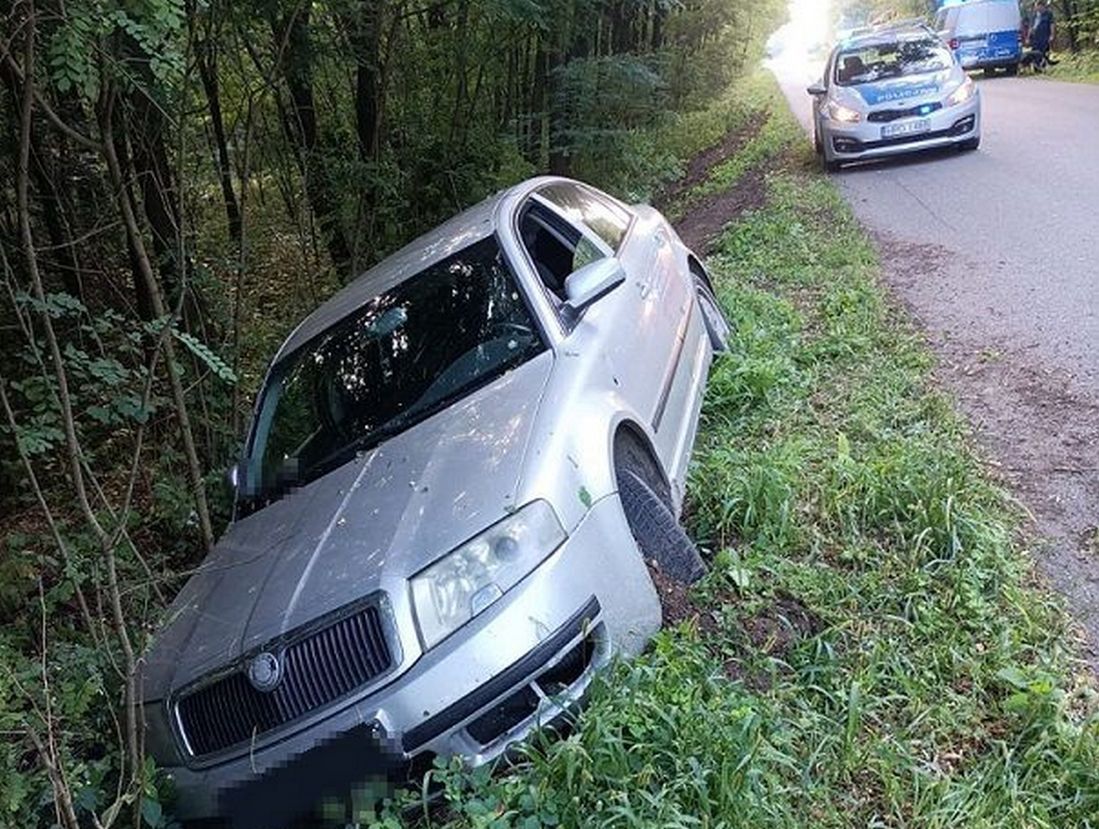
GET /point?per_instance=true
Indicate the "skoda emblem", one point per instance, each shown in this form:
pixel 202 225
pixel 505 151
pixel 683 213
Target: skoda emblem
pixel 264 672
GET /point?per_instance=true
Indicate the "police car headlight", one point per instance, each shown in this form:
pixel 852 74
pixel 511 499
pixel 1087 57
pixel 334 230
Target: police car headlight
pixel 963 93
pixel 461 584
pixel 838 112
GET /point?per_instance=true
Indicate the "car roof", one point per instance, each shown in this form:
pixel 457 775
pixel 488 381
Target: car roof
pixel 470 226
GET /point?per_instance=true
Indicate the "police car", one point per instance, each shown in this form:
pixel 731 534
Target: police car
pixel 893 90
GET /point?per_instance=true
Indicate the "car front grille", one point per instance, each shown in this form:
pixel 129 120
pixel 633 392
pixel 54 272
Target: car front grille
pixel 884 116
pixel 319 667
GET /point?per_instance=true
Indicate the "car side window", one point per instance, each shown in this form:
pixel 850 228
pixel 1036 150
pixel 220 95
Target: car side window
pixel 602 216
pixel 556 247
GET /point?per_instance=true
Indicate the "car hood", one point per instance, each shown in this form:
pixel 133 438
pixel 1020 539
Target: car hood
pixel 901 91
pixel 379 518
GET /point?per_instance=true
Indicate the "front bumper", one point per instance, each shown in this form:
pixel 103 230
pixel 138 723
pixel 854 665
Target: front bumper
pixel 864 140
pixel 522 663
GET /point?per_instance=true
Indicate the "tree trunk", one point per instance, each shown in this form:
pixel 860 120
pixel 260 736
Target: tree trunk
pixel 64 262
pixel 556 117
pixel 206 58
pixel 539 110
pixel 293 39
pixel 620 28
pixel 152 289
pixel 659 13
pixel 366 42
pixel 1069 8
pixel 153 176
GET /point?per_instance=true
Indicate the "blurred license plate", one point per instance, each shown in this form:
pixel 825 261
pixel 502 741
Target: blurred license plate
pixel 906 128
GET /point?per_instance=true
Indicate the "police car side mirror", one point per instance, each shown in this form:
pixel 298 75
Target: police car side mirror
pixel 816 89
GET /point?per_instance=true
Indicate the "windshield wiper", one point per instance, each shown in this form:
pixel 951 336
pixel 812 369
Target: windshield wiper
pixel 391 427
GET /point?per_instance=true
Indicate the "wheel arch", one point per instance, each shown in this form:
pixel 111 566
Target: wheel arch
pixel 695 266
pixel 632 448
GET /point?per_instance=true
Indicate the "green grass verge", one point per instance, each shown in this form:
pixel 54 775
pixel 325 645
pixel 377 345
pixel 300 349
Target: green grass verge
pixel 872 652
pixel 1082 67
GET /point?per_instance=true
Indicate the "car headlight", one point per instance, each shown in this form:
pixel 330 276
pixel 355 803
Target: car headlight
pixel 461 584
pixel 963 93
pixel 838 112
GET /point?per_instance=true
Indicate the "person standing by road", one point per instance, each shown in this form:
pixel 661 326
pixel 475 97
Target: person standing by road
pixel 1042 30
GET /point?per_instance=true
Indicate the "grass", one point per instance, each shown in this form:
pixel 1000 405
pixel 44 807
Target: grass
pixel 1082 67
pixel 872 650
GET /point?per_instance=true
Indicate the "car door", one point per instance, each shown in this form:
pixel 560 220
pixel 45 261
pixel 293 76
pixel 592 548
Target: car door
pixel 648 344
pixel 640 326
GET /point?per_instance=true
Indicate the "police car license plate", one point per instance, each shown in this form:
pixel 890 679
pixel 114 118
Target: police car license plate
pixel 906 128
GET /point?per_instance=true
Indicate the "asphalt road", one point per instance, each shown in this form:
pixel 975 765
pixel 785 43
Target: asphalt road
pixel 996 255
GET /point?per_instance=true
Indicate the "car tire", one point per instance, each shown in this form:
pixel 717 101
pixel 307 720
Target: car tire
pixel 657 532
pixel 970 145
pixel 712 315
pixel 1012 70
pixel 833 166
pixel 818 145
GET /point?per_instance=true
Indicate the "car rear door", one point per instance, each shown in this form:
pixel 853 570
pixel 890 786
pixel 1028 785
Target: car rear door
pixel 971 33
pixel 1003 41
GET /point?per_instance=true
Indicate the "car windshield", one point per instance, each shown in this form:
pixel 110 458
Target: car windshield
pixel 407 353
pixel 881 61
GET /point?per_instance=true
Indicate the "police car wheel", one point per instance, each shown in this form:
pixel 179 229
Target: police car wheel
pixel 971 144
pixel 1012 70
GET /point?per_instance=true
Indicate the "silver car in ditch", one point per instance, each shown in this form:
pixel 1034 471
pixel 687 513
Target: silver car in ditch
pixel 457 471
pixel 893 90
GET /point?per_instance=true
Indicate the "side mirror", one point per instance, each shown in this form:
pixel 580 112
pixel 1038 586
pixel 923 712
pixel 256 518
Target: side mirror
pixel 816 89
pixel 591 283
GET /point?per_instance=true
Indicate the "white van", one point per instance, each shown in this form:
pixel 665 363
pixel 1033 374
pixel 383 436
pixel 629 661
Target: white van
pixel 984 34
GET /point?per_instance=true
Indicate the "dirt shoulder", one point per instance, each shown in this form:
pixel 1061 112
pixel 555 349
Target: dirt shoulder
pixel 1038 428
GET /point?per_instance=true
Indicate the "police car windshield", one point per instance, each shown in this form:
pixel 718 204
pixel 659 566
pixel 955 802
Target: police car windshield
pixel 882 61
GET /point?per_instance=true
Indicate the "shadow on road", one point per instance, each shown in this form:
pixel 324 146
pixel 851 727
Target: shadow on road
pixel 911 159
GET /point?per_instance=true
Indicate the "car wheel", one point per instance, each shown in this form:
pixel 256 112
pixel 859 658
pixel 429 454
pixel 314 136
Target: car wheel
pixel 818 145
pixel 833 166
pixel 656 530
pixel 716 324
pixel 971 144
pixel 1012 70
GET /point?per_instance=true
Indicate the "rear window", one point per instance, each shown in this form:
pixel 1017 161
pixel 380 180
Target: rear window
pixel 882 61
